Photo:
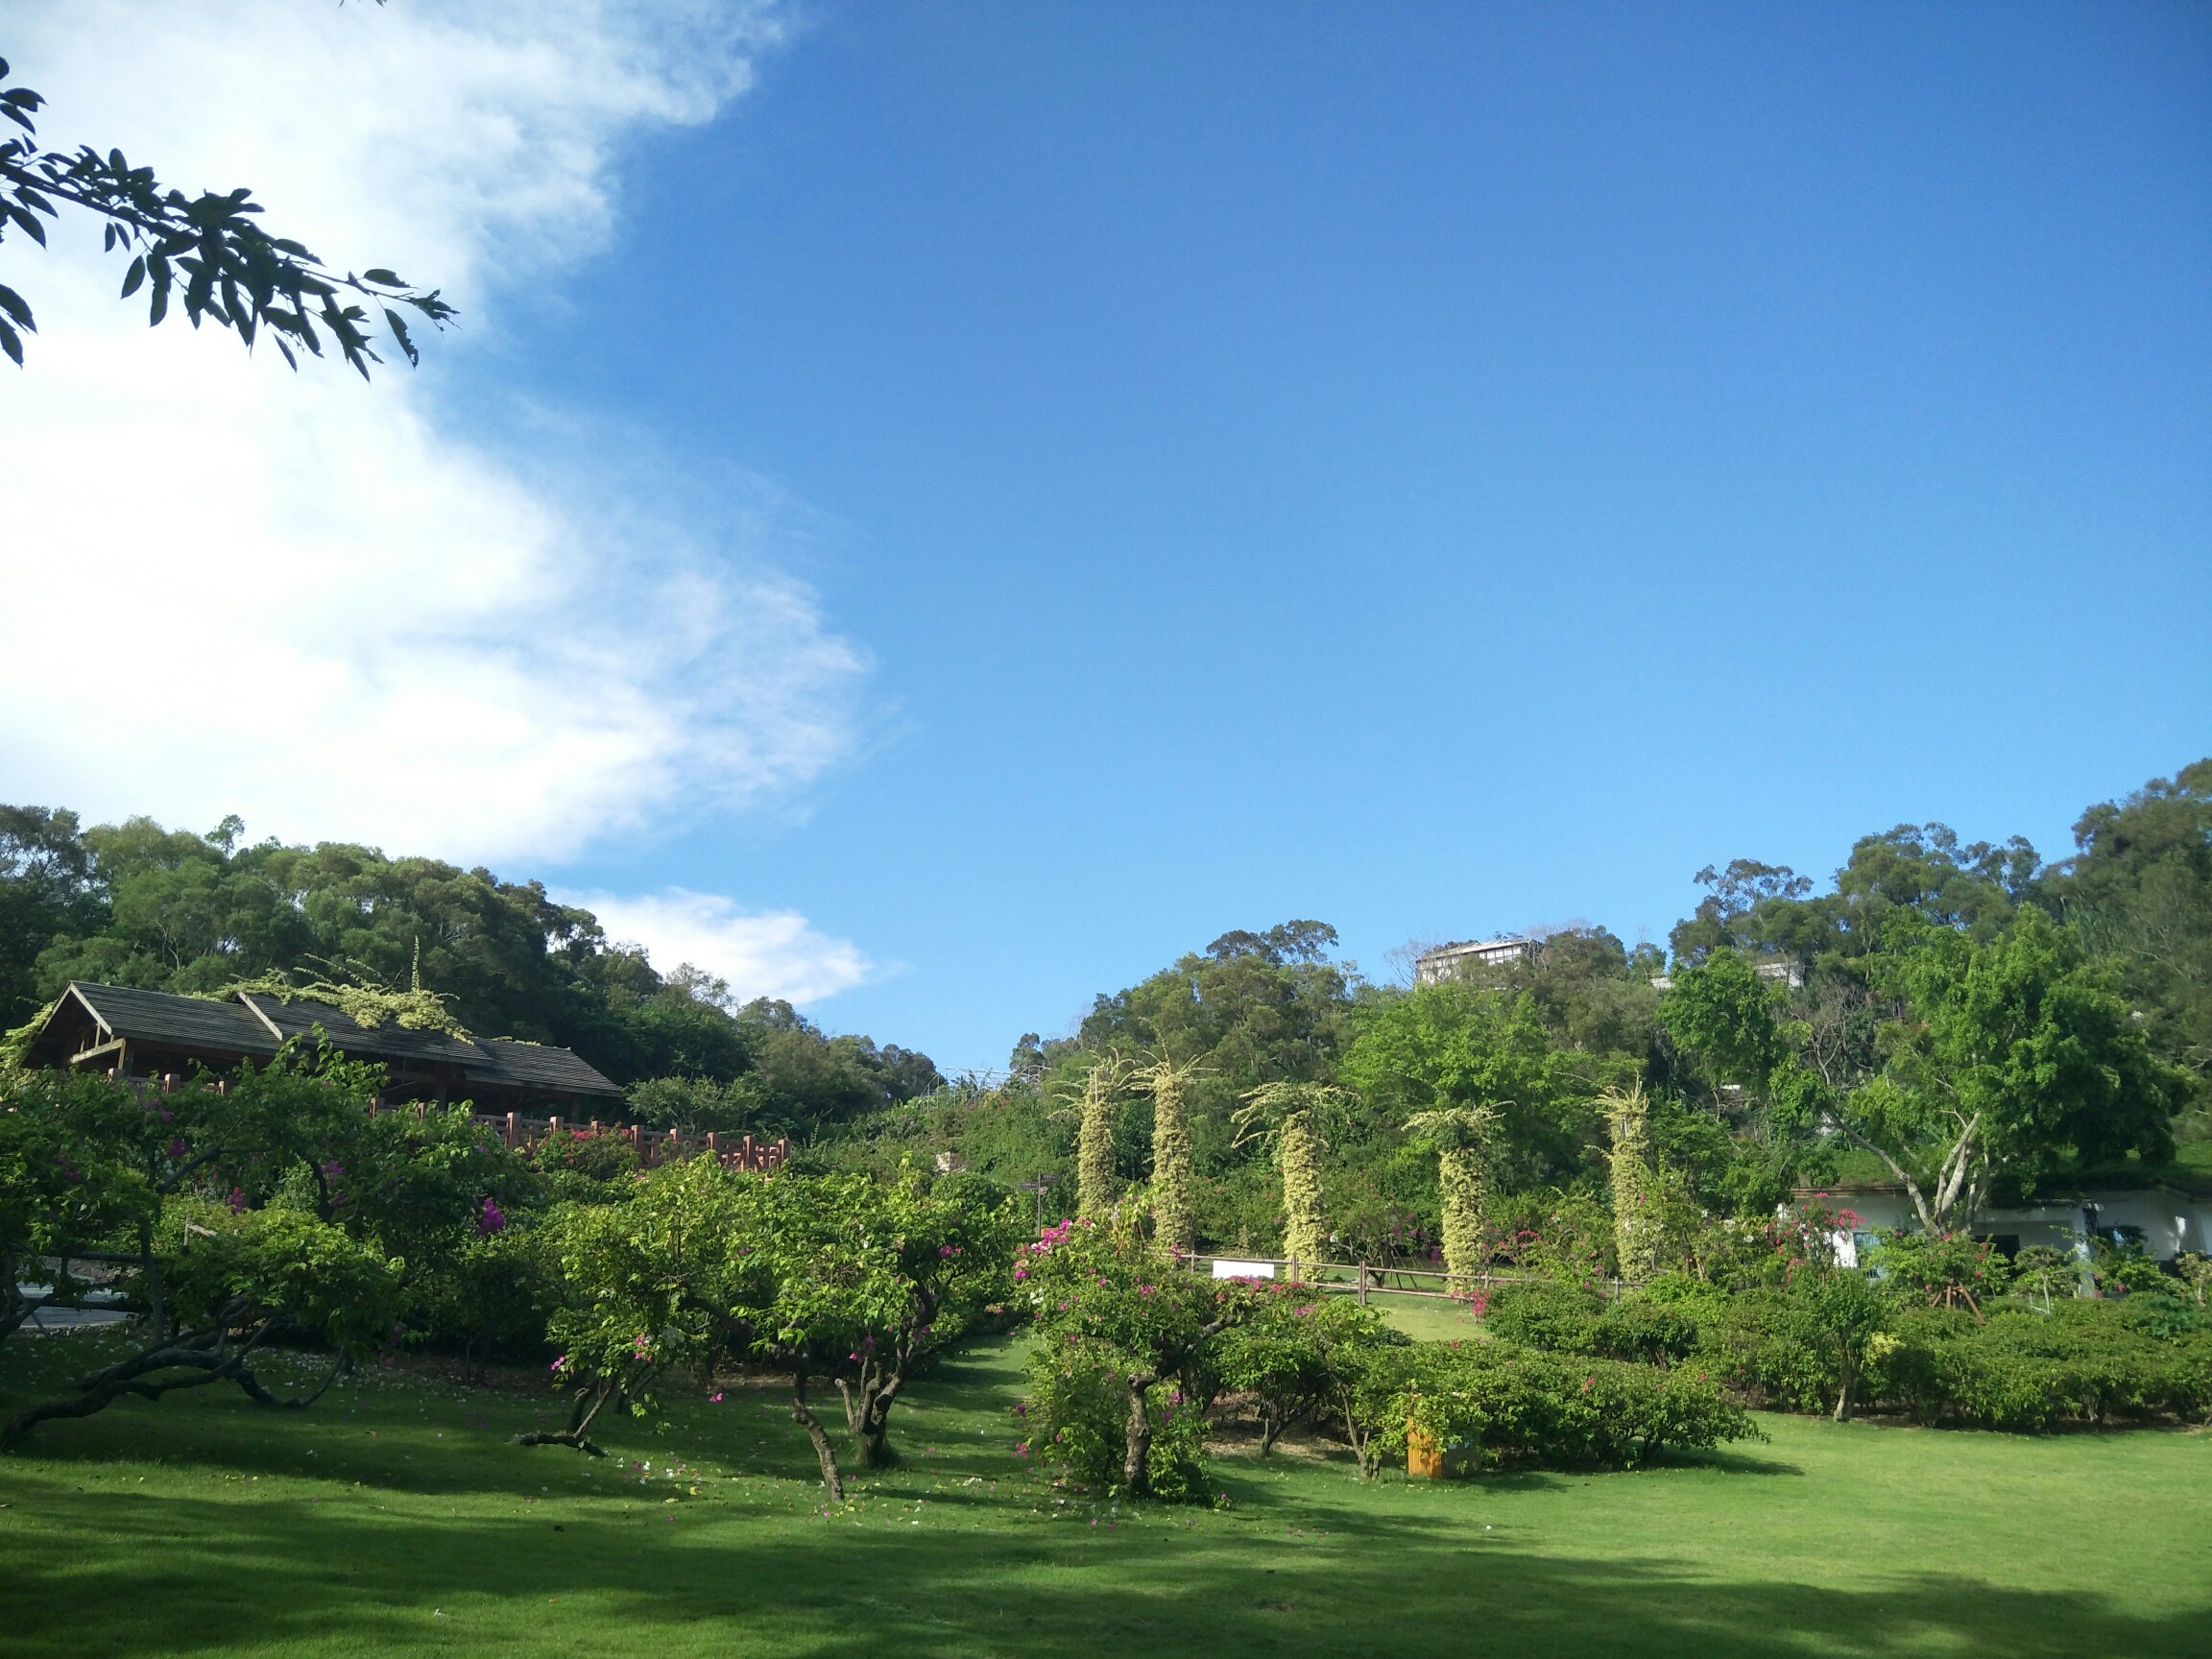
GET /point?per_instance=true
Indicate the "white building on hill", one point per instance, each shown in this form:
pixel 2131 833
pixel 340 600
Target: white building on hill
pixel 1457 961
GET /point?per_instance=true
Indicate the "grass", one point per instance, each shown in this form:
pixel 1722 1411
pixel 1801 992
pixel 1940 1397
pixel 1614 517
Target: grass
pixel 397 1516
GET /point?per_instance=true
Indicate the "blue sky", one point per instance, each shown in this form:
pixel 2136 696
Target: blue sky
pixel 1433 468
pixel 1435 472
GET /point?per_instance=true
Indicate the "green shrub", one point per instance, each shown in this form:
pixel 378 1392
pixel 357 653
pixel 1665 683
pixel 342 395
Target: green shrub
pixel 1077 1415
pixel 1655 1333
pixel 1547 1313
pixel 1294 1354
pixel 1493 1404
pixel 2084 1362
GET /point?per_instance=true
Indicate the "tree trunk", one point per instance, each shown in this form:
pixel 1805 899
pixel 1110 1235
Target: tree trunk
pixel 868 1401
pixel 586 1407
pixel 823 1452
pixel 15 1305
pixel 1843 1393
pixel 203 1356
pixel 156 1303
pixel 1136 1475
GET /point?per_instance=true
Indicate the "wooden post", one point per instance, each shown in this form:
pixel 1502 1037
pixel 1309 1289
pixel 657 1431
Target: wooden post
pixel 1424 1458
pixel 513 1130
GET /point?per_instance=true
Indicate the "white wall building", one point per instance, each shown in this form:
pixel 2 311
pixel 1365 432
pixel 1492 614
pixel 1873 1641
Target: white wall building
pixel 2166 1221
pixel 1457 961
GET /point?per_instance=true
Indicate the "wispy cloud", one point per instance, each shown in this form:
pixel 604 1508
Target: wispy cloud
pixel 773 954
pixel 320 604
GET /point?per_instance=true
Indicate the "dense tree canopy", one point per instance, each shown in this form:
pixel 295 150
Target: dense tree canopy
pixel 170 910
pixel 1797 1033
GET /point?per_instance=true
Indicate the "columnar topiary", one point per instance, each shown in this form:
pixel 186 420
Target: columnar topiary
pixel 1171 1218
pixel 1638 1199
pixel 1286 1112
pixel 1101 1091
pixel 1461 1137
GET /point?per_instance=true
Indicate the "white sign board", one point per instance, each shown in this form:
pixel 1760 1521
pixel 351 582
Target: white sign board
pixel 1223 1269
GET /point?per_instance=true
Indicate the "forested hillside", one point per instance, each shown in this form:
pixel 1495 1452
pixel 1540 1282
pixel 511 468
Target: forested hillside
pixel 168 910
pixel 2092 974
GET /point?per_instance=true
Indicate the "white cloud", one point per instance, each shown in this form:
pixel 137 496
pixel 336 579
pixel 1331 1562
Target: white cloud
pixel 228 588
pixel 770 954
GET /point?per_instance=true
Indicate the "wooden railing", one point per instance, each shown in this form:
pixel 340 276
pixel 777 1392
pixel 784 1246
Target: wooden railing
pixel 1352 1278
pixel 653 1146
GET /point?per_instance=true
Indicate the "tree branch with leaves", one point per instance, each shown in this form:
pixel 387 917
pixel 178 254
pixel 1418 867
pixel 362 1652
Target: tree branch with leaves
pixel 209 252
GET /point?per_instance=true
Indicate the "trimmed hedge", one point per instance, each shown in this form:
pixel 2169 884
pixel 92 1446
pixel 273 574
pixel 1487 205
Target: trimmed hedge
pixel 1496 1405
pixel 2086 1362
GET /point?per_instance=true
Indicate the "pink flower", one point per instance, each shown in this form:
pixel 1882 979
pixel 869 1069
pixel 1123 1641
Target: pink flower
pixel 715 1398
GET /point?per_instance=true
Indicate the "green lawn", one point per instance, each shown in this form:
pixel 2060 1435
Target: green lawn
pixel 397 1516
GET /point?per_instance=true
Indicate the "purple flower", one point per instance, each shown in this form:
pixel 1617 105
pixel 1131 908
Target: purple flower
pixel 178 1147
pixel 494 1219
pixel 237 1200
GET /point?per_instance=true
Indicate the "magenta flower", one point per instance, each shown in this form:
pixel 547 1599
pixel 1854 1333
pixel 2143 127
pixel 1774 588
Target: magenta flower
pixel 493 1220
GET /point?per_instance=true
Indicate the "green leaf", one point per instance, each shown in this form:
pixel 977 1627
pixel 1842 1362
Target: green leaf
pixel 12 343
pixel 379 274
pixel 13 303
pixel 400 333
pixel 132 277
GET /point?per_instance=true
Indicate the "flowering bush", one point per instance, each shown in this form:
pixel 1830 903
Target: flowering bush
pixel 1077 1417
pixel 1943 1270
pixel 1294 1354
pixel 1118 1321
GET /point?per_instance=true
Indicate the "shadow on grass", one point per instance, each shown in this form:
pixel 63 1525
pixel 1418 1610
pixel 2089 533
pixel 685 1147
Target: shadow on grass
pixel 614 1571
pixel 344 1578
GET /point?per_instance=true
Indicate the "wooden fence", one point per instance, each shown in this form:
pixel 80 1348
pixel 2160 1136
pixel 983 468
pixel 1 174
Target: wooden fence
pixel 653 1146
pixel 1363 1278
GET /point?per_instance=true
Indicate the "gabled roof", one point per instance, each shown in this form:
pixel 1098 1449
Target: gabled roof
pixel 158 1016
pixel 530 1066
pixel 253 1025
pixel 391 1042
